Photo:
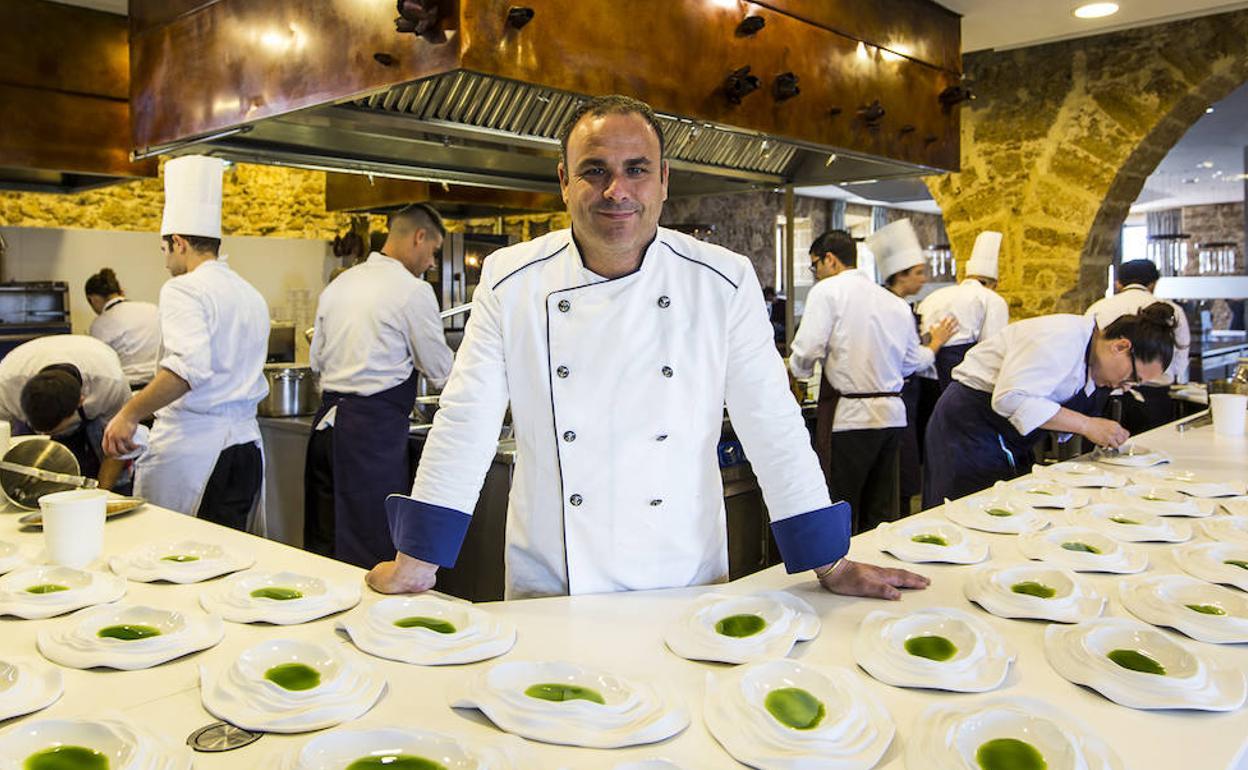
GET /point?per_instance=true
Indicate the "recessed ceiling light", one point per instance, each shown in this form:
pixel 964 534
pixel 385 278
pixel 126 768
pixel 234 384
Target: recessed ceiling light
pixel 1096 10
pixel 1205 164
pixel 1208 110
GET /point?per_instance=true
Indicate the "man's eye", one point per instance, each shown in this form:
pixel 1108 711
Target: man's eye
pixel 637 171
pixel 593 172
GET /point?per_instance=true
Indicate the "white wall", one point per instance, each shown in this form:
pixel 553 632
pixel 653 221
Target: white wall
pixel 272 265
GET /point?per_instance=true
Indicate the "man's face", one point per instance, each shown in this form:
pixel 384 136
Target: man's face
pixel 174 250
pixel 909 282
pixel 614 183
pixel 825 266
pixel 425 247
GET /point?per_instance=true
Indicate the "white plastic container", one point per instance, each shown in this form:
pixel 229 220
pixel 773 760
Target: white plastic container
pixel 1229 413
pixel 73 526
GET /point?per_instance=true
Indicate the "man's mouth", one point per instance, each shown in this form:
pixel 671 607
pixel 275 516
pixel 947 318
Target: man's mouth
pixel 617 213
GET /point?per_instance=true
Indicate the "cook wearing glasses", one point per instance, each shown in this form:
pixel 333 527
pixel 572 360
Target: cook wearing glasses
pixel 1051 372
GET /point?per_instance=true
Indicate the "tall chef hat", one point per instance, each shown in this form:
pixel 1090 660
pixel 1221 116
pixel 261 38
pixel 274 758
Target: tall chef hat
pixel 983 259
pixel 896 248
pixel 193 196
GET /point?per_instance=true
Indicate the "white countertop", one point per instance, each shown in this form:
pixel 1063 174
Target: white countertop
pixel 622 632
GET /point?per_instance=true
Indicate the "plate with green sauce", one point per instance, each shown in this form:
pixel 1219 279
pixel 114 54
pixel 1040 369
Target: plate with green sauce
pixel 1005 733
pixel 569 704
pixel 1138 666
pixel 1225 563
pixel 1042 493
pixel 428 631
pixel 924 538
pixel 1226 529
pixel 1162 501
pixel 290 686
pixel 1036 591
pixel 27 685
pixel 940 648
pixel 280 598
pixel 995 512
pixel 128 637
pixel 1083 549
pixel 1130 524
pixel 11 557
pixel 34 593
pixel 181 561
pixel 396 748
pixel 1205 612
pixel 742 629
pixel 102 742
pixel 782 713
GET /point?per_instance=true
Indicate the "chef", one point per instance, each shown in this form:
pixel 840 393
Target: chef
pixel 1133 289
pixel 128 327
pixel 204 457
pixel 617 344
pixel 865 338
pixel 1051 372
pixel 978 309
pixel 377 330
pixel 67 386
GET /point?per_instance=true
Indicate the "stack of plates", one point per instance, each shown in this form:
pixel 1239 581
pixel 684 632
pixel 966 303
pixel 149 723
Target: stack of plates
pixel 1202 611
pixel 185 561
pixel 428 631
pixel 926 539
pixel 400 747
pixel 742 629
pixel 1035 592
pixel 128 637
pixel 1082 550
pixel 281 598
pixel 27 685
pixel 43 592
pixel 108 742
pixel 939 648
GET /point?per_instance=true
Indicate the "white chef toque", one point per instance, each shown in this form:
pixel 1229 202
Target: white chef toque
pixel 193 196
pixel 896 248
pixel 984 256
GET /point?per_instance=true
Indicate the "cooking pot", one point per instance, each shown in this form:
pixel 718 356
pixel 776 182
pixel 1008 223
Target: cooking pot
pixel 293 391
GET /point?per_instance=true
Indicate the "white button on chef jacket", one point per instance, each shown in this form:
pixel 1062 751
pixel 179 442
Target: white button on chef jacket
pixel 617 388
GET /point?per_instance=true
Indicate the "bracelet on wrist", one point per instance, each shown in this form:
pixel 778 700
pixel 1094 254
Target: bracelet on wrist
pixel 824 573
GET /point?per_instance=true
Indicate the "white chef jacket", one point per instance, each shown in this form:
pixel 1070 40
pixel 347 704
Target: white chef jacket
pixel 865 336
pixel 374 323
pixel 1132 299
pixel 979 311
pixel 1031 367
pixel 133 330
pixel 105 389
pixel 617 389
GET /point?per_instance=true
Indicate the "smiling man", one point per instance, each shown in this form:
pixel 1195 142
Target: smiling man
pixel 617 344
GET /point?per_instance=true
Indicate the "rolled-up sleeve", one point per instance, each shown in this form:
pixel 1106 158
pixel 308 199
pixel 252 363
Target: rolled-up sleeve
pixel 810 344
pixel 426 337
pixel 1034 374
pixel 185 339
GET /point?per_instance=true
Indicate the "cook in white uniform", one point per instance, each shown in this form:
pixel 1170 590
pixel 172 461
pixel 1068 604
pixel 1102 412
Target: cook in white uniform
pixel 67 386
pixel 204 458
pixel 377 328
pixel 1133 289
pixel 617 350
pixel 1051 372
pixel 865 338
pixel 128 327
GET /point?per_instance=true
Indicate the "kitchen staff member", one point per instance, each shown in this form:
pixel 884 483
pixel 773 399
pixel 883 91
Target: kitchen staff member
pixel 617 345
pixel 1133 289
pixel 67 386
pixel 979 310
pixel 130 328
pixel 204 457
pixel 865 337
pixel 1051 372
pixel 377 329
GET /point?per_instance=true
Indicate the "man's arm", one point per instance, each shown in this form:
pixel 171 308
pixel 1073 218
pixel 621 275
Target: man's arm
pixel 426 338
pixel 165 388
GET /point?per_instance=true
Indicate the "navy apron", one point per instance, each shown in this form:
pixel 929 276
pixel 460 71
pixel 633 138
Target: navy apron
pixel 910 477
pixel 79 442
pixel 947 359
pixel 370 461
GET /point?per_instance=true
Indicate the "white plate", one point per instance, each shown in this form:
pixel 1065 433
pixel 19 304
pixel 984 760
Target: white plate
pixel 27 685
pixel 1009 515
pixel 948 735
pixel 84 588
pixel 1162 501
pixel 1080 653
pixel 1053 547
pixel 478 635
pixel 150 563
pixel 1226 529
pixel 1168 600
pixel 238 692
pixel 1188 483
pixel 631 713
pixel 1208 561
pixel 853 734
pixel 75 641
pixel 337 749
pixel 1077 474
pixel 1043 492
pixel 786 620
pixel 961 547
pixel 980 661
pixel 232 598
pixel 126 746
pixel 1073 600
pixel 1237 506
pixel 1129 524
pixel 648 764
pixel 11 557
pixel 1132 456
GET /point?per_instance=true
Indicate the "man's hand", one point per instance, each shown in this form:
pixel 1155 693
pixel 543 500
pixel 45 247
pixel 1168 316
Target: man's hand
pixel 1104 432
pixel 404 575
pixel 853 578
pixel 941 332
pixel 119 435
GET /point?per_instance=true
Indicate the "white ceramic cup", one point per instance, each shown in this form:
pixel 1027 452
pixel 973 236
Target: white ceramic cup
pixel 73 526
pixel 1229 413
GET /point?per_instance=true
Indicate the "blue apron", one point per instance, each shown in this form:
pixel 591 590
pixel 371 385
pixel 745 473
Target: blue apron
pixel 947 359
pixel 370 461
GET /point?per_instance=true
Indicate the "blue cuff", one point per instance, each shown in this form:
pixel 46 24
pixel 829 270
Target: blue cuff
pixel 813 539
pixel 427 532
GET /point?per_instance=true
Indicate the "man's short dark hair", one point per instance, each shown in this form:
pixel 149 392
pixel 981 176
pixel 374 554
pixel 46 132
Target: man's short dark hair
pixel 49 397
pixel 611 104
pixel 840 243
pixel 417 216
pixel 196 242
pixel 1141 271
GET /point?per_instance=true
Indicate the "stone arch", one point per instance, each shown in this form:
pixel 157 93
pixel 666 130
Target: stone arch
pixel 1061 139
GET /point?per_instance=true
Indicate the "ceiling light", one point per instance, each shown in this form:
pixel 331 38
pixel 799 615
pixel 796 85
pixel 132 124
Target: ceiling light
pixel 1096 10
pixel 1208 110
pixel 1205 164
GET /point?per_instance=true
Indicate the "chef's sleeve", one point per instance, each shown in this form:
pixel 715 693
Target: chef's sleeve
pixel 810 344
pixel 431 524
pixel 185 338
pixel 425 336
pixel 918 356
pixel 1182 347
pixel 1031 372
pixel 996 317
pixel 809 530
pixel 113 393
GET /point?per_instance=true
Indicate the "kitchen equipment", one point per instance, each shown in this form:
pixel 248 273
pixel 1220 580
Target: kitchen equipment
pixel 31 309
pixel 73 526
pixel 39 454
pixel 114 506
pixel 293 391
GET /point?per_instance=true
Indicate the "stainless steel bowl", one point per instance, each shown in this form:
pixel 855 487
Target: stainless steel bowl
pixel 42 453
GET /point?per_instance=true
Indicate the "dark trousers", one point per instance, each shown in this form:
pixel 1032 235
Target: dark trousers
pixel 863 473
pixel 233 486
pixel 318 494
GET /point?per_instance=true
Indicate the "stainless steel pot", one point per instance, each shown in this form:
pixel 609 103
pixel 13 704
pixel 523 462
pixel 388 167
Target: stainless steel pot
pixel 293 391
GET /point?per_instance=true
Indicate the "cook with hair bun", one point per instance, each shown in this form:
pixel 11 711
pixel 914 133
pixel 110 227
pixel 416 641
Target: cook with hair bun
pixel 131 328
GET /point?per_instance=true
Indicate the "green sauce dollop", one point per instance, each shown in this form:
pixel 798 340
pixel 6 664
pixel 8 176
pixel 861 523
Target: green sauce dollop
pixel 277 592
pixel 66 758
pixel 433 624
pixel 740 626
pixel 1009 754
pixel 1081 547
pixel 1206 609
pixel 933 647
pixel 1122 520
pixel 564 692
pixel 46 588
pixel 180 558
pixel 293 676
pixel 395 762
pixel 1000 512
pixel 1137 661
pixel 1034 588
pixel 128 632
pixel 794 707
pixel 1241 563
pixel 930 539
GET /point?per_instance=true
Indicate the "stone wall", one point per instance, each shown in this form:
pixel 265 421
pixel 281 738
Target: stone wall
pixel 1218 222
pixel 1060 139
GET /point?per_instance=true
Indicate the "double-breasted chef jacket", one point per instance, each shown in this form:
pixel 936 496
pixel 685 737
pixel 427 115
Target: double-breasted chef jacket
pixel 980 313
pixel 617 388
pixel 132 329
